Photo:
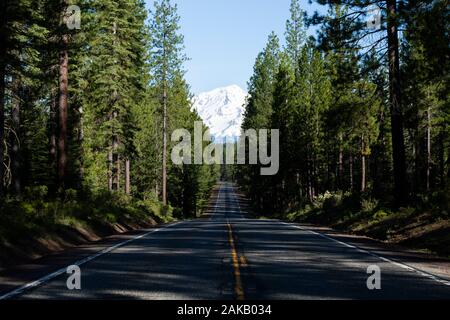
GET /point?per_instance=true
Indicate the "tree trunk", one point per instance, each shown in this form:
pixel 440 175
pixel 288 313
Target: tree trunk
pixel 164 151
pixel 114 156
pixel 157 186
pixel 2 119
pixel 429 160
pixel 127 177
pixel 164 146
pixel 110 169
pixel 398 143
pixel 15 140
pixel 63 105
pixel 363 166
pixel 417 181
pixel 341 164
pixel 441 159
pixel 115 172
pixel 53 153
pixel 3 50
pixel 80 142
pixel 309 175
pixel 350 164
pixel 380 167
pixel 118 172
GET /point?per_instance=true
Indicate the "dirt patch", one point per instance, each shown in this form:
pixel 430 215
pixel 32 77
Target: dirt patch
pixel 30 247
pixel 434 237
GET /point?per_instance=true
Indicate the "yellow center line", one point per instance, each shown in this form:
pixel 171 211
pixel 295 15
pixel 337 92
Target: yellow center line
pixel 238 289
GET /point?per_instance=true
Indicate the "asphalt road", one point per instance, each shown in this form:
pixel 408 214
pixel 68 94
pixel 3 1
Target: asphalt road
pixel 229 256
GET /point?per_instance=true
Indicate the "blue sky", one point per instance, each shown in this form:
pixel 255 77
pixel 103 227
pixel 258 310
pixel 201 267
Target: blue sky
pixel 223 37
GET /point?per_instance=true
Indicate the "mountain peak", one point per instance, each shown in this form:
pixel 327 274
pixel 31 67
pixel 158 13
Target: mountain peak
pixel 233 87
pixel 222 110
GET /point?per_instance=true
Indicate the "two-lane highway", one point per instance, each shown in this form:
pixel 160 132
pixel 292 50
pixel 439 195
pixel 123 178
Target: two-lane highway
pixel 229 256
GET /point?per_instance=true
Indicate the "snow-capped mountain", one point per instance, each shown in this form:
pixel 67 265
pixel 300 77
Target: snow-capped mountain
pixel 222 110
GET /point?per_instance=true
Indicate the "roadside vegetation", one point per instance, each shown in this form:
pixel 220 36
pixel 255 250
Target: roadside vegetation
pixel 426 226
pixel 89 95
pixel 363 110
pixel 37 224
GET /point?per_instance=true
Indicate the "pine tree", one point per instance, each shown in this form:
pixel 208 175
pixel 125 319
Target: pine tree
pixel 398 143
pixel 258 114
pixel 90 122
pixel 166 62
pixel 358 9
pixel 63 96
pixel 381 150
pixel 11 27
pixel 426 87
pixel 20 34
pixel 147 142
pixel 295 32
pixel 312 99
pixel 335 39
pixel 115 78
pixel 282 119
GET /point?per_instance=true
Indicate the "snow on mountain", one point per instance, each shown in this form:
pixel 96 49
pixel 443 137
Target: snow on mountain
pixel 222 110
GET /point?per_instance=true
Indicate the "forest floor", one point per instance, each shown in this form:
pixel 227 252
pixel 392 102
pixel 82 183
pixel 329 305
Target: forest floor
pixel 414 228
pixel 34 228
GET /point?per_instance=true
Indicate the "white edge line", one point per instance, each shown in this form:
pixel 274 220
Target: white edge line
pixel 396 263
pixel 34 284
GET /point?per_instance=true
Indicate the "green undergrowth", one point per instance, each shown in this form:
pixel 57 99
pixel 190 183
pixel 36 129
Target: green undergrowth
pixel 425 224
pixel 35 214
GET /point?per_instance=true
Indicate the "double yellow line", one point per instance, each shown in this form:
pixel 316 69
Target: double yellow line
pixel 238 288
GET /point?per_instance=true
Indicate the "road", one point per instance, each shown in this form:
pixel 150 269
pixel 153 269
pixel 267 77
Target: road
pixel 229 256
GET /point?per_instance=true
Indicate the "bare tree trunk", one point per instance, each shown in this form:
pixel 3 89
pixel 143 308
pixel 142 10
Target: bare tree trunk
pixel 381 159
pixel 119 172
pixel 110 169
pixel 53 128
pixel 429 160
pixel 398 142
pixel 441 159
pixel 329 168
pixel 115 161
pixel 363 166
pixel 309 176
pixel 164 153
pixel 350 164
pixel 15 140
pixel 63 104
pixel 164 146
pixel 3 51
pixel 115 172
pixel 341 164
pixel 80 141
pixel 127 177
pixel 2 119
pixel 417 181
